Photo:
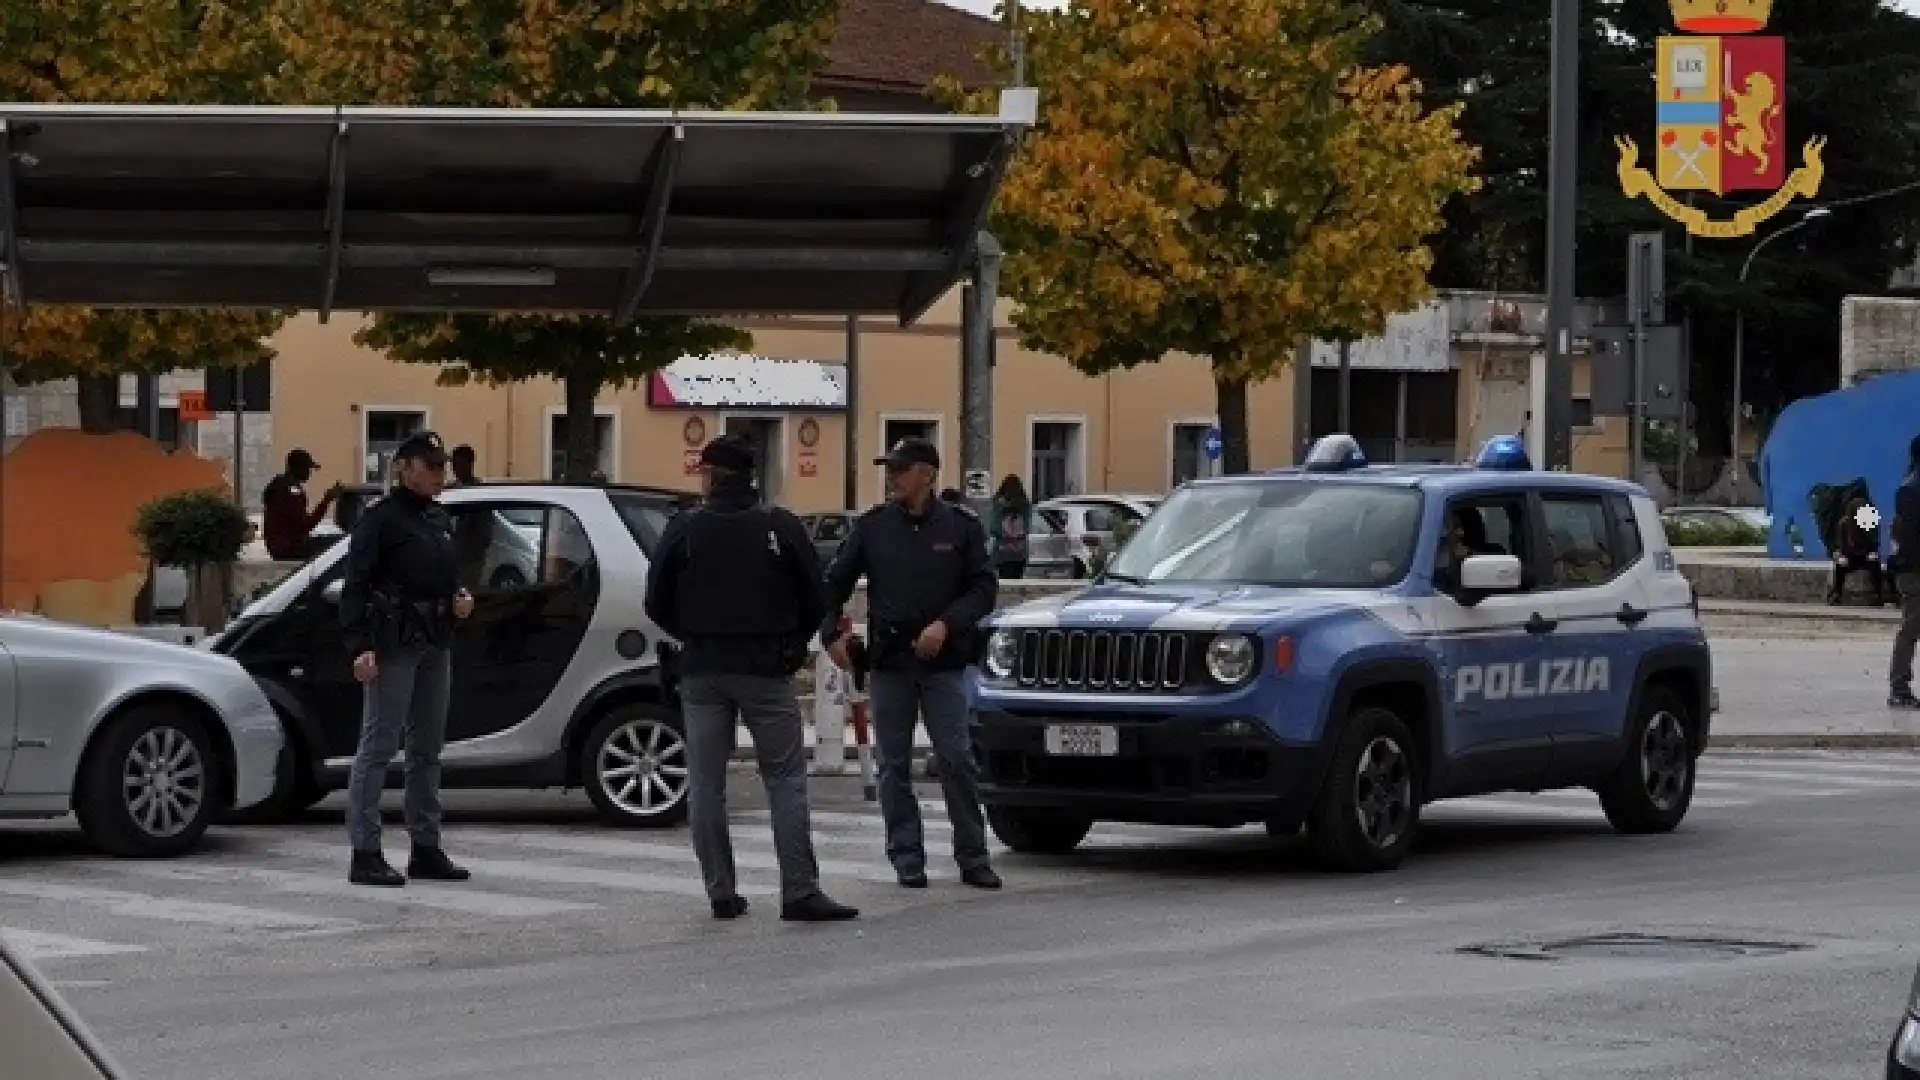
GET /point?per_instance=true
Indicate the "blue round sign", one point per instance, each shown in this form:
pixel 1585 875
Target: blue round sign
pixel 1211 444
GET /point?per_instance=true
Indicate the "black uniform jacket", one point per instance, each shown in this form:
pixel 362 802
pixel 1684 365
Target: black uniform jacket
pixel 401 549
pixel 933 566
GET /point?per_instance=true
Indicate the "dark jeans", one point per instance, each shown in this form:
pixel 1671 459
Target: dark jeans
pixel 898 699
pixel 1857 564
pixel 406 700
pixel 1900 671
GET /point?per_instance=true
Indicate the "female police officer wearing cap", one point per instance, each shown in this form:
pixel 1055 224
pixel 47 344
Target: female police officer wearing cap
pixel 398 602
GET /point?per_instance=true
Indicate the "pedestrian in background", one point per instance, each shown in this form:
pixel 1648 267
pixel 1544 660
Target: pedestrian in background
pixel 1857 550
pixel 286 522
pixel 1008 524
pixel 464 461
pixel 398 602
pixel 1904 561
pixel 929 583
pixel 738 584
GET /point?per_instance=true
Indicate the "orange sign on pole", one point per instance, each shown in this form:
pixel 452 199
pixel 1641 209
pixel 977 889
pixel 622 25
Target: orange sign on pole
pixel 193 405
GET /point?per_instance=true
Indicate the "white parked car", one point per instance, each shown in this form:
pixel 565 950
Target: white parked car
pixel 146 741
pixel 1089 521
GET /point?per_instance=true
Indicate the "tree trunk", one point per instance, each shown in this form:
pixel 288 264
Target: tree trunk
pixel 1231 404
pixel 99 395
pixel 582 450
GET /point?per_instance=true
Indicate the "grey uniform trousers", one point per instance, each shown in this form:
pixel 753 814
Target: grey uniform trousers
pixel 407 699
pixel 1900 672
pixel 772 716
pixel 900 698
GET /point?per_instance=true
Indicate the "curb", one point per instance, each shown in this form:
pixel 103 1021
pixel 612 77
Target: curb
pixel 1839 740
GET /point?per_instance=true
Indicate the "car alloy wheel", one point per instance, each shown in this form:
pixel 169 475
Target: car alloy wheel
pixel 164 782
pixel 1665 760
pixel 642 767
pixel 1383 793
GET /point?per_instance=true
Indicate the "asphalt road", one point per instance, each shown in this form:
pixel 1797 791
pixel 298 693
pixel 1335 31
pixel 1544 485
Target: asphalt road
pixel 579 952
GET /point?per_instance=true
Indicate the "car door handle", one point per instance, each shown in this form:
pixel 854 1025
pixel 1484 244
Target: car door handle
pixel 1630 615
pixel 1538 625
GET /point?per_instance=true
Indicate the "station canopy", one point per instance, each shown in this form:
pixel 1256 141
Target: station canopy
pixel 618 212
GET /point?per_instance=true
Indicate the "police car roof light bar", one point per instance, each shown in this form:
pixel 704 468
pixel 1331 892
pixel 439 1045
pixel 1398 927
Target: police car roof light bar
pixel 1504 452
pixel 1338 452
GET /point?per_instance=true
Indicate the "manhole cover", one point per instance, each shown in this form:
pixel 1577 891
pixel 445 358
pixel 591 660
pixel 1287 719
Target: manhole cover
pixel 1637 947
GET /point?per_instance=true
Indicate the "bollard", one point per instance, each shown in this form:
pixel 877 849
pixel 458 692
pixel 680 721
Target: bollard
pixel 829 717
pixel 863 745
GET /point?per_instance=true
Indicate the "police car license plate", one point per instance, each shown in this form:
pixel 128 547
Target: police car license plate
pixel 1082 740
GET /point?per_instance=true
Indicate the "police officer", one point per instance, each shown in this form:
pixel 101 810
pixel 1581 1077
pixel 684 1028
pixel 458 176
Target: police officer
pixel 1904 561
pixel 929 583
pixel 397 608
pixel 738 585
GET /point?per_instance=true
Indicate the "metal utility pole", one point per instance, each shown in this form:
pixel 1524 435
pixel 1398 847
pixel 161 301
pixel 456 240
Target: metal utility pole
pixel 850 437
pixel 1346 387
pixel 976 376
pixel 1562 187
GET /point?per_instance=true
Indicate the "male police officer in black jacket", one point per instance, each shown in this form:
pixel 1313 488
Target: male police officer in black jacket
pixel 929 583
pixel 1904 562
pixel 398 603
pixel 738 584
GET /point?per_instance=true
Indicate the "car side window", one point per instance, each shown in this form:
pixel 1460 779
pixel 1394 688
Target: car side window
pixel 1580 550
pixel 1098 519
pixel 503 547
pixel 1481 525
pixel 1627 548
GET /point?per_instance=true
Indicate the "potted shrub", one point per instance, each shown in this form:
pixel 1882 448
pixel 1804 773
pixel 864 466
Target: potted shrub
pixel 203 533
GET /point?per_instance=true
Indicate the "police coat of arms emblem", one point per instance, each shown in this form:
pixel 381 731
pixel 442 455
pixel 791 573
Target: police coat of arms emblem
pixel 1721 119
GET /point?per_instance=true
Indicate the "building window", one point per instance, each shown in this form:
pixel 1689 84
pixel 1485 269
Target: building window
pixel 1056 468
pixel 603 445
pixel 381 433
pixel 1189 458
pixel 126 418
pixel 1583 412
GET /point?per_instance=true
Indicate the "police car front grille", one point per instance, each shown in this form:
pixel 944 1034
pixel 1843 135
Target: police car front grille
pixel 1123 661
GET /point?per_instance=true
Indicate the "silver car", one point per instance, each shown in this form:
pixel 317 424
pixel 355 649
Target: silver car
pixel 145 741
pixel 559 679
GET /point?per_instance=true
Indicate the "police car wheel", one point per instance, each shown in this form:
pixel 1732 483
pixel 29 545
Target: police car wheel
pixel 1653 787
pixel 149 785
pixel 1369 807
pixel 634 764
pixel 1038 831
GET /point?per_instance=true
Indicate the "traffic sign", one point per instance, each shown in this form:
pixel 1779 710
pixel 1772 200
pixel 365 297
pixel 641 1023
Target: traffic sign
pixel 1211 444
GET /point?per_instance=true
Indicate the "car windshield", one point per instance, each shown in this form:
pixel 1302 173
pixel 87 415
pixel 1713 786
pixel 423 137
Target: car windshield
pixel 1304 534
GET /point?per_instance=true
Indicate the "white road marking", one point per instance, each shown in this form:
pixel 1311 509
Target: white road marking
pixel 455 898
pixel 612 848
pixel 37 946
pixel 1817 767
pixel 1832 779
pixel 552 873
pixel 136 905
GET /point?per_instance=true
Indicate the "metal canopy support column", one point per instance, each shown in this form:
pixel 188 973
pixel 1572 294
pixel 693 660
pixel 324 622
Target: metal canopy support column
pixel 983 179
pixel 976 375
pixel 653 219
pixel 336 217
pixel 11 279
pixel 1563 159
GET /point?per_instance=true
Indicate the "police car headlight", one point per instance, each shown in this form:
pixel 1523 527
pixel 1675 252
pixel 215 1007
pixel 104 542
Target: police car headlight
pixel 1230 658
pixel 1003 654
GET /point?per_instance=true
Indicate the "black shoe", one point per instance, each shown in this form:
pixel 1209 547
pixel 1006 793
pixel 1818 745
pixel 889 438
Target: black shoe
pixel 913 879
pixel 370 868
pixel 432 864
pixel 817 908
pixel 981 877
pixel 1902 699
pixel 731 908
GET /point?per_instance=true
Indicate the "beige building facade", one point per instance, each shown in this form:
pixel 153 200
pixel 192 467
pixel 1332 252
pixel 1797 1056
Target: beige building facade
pixel 1061 431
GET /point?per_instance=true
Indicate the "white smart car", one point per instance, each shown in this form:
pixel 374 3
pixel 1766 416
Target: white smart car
pixel 145 741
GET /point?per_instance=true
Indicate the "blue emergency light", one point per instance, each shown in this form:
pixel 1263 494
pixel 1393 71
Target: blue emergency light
pixel 1504 452
pixel 1335 453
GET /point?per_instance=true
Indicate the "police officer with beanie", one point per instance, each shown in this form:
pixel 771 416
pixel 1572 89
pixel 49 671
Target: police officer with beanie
pixel 737 583
pixel 398 604
pixel 929 583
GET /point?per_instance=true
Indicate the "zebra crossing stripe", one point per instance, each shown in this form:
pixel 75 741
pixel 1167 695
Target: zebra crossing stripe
pixel 1832 778
pixel 137 905
pixel 612 848
pixel 38 947
pixel 459 900
pixel 546 872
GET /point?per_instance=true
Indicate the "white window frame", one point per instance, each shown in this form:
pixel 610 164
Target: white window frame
pixel 939 422
pixel 1077 470
pixel 546 439
pixel 777 468
pixel 425 412
pixel 1174 424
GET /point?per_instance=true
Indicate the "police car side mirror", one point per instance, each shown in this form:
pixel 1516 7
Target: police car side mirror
pixel 1482 576
pixel 331 594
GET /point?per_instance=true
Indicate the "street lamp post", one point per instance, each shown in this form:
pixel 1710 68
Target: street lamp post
pixel 1740 324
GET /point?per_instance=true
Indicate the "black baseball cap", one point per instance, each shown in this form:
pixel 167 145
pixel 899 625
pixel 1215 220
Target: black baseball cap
pixel 298 458
pixel 730 452
pixel 423 445
pixel 910 452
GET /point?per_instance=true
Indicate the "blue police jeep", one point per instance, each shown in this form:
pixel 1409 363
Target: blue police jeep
pixel 1335 646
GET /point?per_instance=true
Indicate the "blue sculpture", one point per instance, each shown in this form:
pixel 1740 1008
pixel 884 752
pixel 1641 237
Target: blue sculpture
pixel 1861 432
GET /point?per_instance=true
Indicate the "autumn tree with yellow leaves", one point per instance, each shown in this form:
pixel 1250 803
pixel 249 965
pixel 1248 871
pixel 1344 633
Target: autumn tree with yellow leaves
pixel 1221 178
pixel 722 54
pixel 143 52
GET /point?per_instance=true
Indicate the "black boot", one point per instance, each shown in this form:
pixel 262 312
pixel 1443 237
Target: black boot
pixel 1902 699
pixel 817 908
pixel 432 864
pixel 370 868
pixel 730 908
pixel 981 877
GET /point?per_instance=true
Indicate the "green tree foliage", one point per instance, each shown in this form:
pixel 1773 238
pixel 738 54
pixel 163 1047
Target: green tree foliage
pixel 727 54
pixel 1221 178
pixel 140 52
pixel 1853 76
